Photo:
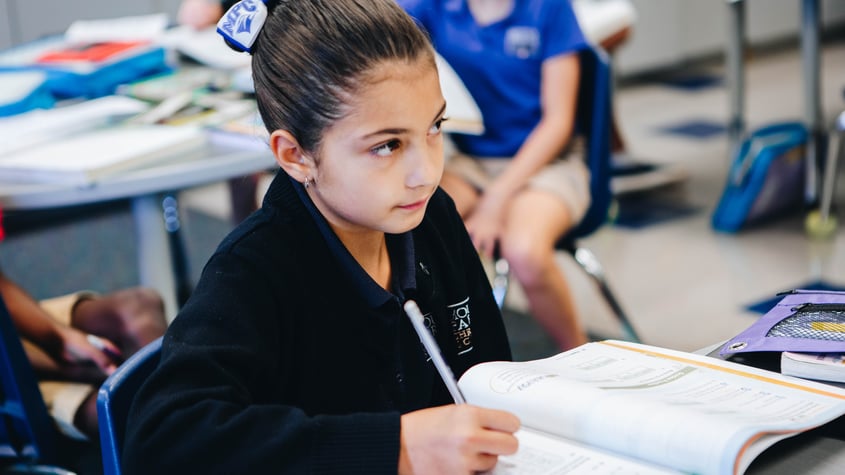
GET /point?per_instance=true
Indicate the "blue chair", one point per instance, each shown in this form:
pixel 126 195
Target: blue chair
pixel 592 120
pixel 29 440
pixel 115 397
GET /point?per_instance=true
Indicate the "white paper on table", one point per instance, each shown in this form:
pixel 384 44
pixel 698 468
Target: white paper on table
pixel 39 126
pixel 205 46
pixel 129 28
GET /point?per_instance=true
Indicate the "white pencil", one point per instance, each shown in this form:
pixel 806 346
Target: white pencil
pixel 416 317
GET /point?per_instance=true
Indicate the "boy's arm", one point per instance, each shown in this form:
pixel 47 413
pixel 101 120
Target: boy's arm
pixel 64 344
pixel 30 320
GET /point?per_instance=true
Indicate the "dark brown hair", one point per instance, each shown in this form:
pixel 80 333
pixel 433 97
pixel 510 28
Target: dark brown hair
pixel 311 54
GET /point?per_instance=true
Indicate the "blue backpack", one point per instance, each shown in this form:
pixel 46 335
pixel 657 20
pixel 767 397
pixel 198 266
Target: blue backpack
pixel 766 178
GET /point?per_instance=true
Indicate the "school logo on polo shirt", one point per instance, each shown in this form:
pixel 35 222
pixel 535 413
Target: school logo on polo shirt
pixel 462 326
pixel 522 41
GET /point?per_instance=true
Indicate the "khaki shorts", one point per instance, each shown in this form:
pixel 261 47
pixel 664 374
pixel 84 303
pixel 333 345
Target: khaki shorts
pixel 567 178
pixel 63 399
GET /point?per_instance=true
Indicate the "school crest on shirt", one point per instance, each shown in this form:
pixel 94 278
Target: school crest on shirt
pixel 522 41
pixel 462 326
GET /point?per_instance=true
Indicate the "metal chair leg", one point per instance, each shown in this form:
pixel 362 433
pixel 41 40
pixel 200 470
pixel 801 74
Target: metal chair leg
pixel 500 281
pixel 588 261
pixel 173 225
pixel 820 223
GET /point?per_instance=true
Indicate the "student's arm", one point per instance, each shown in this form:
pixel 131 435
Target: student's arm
pixel 559 86
pixel 65 345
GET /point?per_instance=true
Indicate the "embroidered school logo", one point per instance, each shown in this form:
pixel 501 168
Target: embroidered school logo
pixel 462 326
pixel 522 41
pixel 431 326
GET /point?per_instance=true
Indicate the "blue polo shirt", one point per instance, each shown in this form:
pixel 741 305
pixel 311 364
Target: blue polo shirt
pixel 500 63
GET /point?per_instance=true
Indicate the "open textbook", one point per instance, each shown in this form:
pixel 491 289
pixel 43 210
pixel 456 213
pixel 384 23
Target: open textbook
pixel 619 407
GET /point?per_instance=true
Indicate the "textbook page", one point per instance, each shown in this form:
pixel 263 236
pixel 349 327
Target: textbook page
pixel 689 412
pixel 540 454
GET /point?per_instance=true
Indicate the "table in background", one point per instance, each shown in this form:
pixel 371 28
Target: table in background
pixel 145 188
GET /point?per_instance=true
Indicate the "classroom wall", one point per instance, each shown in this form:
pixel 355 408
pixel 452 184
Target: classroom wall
pixel 669 32
pixel 25 20
pixel 5 28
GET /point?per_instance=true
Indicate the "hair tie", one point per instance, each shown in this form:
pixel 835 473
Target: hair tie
pixel 242 23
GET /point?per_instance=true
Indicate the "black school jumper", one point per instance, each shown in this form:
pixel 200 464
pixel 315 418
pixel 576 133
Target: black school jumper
pixel 289 358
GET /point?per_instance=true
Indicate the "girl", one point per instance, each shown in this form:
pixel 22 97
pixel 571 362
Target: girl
pixel 293 354
pixel 521 185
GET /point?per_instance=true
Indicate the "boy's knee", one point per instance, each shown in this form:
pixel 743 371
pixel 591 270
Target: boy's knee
pixel 130 317
pixel 142 312
pixel 143 301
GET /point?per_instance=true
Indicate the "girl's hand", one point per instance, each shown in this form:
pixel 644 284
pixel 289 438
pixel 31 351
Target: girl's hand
pixel 455 439
pixel 79 347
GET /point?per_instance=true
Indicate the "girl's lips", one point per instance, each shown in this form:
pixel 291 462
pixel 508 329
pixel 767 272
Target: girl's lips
pixel 414 206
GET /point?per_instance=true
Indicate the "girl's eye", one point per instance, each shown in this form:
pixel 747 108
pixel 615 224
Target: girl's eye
pixel 437 127
pixel 385 149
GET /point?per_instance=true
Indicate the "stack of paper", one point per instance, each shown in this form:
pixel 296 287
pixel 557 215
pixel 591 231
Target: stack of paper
pixel 86 158
pixel 37 127
pixel 206 47
pixel 21 91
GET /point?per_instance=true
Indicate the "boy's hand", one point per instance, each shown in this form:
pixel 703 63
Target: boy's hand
pixel 79 347
pixel 455 439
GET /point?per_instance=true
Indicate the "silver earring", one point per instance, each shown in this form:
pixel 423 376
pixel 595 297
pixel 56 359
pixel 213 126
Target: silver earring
pixel 307 182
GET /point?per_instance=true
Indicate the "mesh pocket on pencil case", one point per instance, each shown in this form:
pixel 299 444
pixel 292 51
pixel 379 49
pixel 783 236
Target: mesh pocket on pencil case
pixel 823 321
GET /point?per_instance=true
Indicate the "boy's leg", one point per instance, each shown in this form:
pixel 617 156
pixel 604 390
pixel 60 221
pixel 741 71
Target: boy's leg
pixel 130 318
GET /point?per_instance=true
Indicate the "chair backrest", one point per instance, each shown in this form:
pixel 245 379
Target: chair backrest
pixel 27 432
pixel 115 397
pixel 592 120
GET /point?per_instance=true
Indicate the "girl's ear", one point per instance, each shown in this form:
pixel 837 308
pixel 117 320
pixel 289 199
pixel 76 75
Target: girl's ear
pixel 290 157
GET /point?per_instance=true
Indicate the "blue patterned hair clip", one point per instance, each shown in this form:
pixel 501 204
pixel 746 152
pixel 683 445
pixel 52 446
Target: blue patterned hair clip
pixel 241 25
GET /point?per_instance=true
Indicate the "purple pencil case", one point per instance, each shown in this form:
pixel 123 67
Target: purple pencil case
pixel 807 321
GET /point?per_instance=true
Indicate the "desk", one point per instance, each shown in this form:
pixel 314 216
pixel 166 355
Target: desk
pixel 146 187
pixel 811 64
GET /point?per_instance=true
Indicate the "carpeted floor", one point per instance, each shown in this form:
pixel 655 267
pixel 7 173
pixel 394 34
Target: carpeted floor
pixel 58 252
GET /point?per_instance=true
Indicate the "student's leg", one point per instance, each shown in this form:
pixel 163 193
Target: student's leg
pixel 536 219
pixel 130 318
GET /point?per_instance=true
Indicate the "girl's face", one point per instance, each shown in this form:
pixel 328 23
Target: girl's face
pixel 380 164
